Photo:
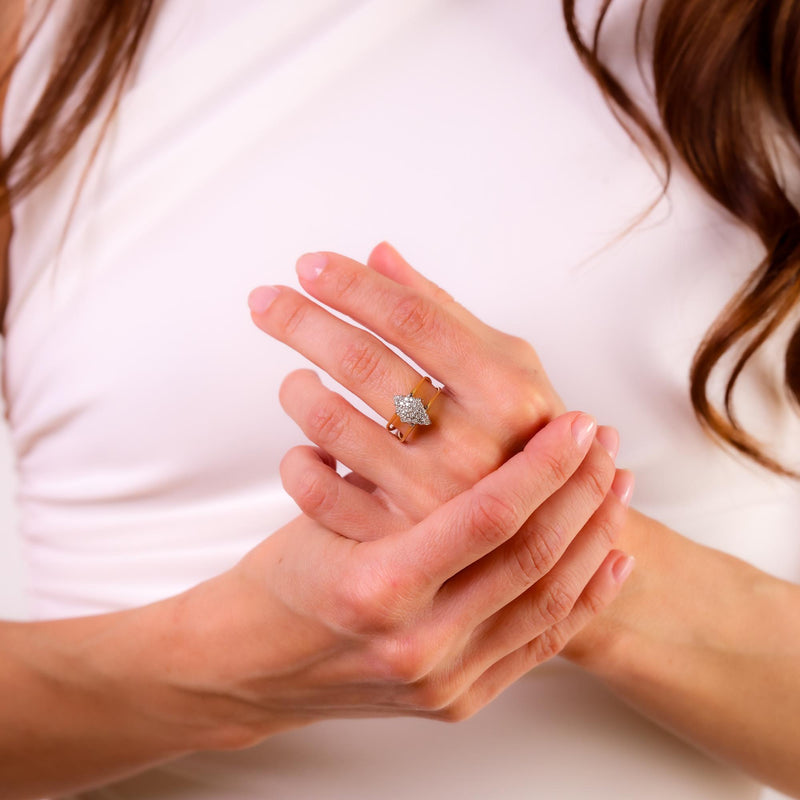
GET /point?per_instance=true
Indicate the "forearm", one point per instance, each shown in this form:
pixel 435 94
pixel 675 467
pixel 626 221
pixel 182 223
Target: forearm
pixel 85 701
pixel 707 646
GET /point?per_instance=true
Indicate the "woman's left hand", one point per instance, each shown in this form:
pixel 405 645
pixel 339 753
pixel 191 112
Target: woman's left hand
pixel 495 396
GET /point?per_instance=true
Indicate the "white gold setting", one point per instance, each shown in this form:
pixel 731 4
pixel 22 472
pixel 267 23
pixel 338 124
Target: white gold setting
pixel 411 410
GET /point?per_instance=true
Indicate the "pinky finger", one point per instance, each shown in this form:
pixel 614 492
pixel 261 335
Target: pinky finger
pixel 344 505
pixel 601 590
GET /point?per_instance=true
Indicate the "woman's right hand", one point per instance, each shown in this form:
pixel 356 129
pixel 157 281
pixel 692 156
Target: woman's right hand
pixel 432 621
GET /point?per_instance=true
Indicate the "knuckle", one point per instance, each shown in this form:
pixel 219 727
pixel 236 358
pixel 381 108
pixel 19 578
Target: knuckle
pixel 350 610
pixel 356 606
pixel 372 602
pixel 459 711
pixel 313 493
pixel 455 713
pixel 521 397
pixel 598 480
pixel 547 645
pixel 552 464
pixel 415 318
pixel 606 530
pixel 537 551
pixel 522 407
pixel 521 349
pixel 348 282
pixel 406 661
pixel 361 362
pixel 441 297
pixel 594 601
pixel 327 420
pixel 556 603
pixel 432 697
pixel 292 313
pixel 491 518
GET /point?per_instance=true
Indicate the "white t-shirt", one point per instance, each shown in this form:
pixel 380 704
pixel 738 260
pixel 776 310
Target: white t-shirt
pixel 142 401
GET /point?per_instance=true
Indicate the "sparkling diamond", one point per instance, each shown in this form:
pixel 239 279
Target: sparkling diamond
pixel 411 410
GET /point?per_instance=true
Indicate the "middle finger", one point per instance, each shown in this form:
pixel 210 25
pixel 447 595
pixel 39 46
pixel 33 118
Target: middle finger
pixel 421 327
pixel 353 357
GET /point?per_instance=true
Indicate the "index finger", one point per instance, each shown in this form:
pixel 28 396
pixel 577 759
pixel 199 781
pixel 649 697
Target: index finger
pixel 479 520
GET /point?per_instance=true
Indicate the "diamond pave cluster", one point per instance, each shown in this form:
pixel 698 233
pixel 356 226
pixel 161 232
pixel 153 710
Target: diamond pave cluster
pixel 411 410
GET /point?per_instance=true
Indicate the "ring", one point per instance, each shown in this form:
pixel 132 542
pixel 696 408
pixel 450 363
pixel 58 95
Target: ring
pixel 412 409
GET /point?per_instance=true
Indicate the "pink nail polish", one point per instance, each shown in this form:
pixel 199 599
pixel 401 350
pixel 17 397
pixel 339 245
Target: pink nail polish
pixel 311 265
pixel 261 298
pixel 609 438
pixel 623 487
pixel 583 428
pixel 622 568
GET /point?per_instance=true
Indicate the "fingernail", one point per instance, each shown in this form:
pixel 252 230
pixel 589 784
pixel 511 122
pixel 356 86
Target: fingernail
pixel 583 428
pixel 609 438
pixel 623 486
pixel 261 298
pixel 622 568
pixel 311 265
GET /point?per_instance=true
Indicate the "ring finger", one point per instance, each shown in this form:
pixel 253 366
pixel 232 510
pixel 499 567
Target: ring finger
pixel 359 443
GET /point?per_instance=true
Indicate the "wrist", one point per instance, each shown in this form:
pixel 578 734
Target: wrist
pixel 171 661
pixel 220 676
pixel 613 645
pixel 73 713
pixel 129 671
pixel 117 667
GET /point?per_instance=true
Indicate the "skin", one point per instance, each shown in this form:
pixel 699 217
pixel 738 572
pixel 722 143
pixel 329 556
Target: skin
pixel 702 643
pixel 428 618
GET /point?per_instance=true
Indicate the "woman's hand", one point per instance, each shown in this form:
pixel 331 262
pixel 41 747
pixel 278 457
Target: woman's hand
pixel 430 619
pixel 495 392
pixel 700 642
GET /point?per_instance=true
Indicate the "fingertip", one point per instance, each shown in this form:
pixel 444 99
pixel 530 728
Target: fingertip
pixel 622 567
pixel 584 427
pixel 261 298
pixel 294 461
pixel 287 385
pixel 608 437
pixel 383 250
pixel 385 259
pixel 311 265
pixel 622 486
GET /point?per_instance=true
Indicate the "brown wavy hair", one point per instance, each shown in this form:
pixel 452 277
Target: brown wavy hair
pixel 726 76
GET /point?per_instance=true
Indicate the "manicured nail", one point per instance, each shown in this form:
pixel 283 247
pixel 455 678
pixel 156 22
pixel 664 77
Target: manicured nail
pixel 623 486
pixel 260 299
pixel 583 428
pixel 609 438
pixel 310 265
pixel 622 568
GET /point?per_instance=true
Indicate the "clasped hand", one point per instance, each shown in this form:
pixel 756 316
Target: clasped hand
pixel 434 574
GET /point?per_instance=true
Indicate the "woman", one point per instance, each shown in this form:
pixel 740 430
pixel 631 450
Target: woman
pixel 248 132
